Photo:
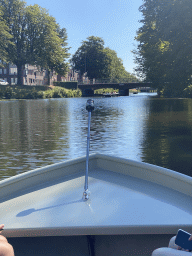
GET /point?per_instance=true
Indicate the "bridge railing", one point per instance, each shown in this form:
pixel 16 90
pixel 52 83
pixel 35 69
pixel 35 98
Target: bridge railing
pixel 107 81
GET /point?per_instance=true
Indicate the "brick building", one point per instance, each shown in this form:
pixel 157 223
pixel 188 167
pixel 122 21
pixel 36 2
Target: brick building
pixel 70 76
pixel 33 75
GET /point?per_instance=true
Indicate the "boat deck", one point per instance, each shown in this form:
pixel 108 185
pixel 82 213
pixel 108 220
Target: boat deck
pixel 131 211
pixel 118 204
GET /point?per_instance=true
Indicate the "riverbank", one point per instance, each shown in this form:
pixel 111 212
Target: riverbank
pixel 47 92
pixel 36 92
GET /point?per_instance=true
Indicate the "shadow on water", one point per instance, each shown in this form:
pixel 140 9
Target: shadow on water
pixel 168 135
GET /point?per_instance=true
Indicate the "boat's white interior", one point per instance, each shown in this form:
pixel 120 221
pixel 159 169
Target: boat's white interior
pixel 127 199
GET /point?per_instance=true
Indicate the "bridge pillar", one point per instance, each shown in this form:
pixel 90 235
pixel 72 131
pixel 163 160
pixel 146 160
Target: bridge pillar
pixel 87 92
pixel 124 92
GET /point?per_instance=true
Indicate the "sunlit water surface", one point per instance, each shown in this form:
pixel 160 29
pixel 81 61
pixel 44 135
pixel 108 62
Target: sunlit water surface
pixel 35 133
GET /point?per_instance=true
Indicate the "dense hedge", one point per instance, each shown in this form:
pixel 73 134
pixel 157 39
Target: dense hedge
pixel 68 85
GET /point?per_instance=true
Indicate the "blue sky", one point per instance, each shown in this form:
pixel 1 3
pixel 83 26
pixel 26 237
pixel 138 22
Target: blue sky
pixel 116 21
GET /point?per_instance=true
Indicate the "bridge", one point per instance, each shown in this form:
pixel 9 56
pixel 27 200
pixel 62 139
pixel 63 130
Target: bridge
pixel 88 89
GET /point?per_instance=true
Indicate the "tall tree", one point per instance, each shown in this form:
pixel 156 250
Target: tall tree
pixel 13 14
pixel 5 37
pixel 90 58
pixel 98 62
pixel 49 42
pixel 35 36
pixel 164 51
pixel 116 70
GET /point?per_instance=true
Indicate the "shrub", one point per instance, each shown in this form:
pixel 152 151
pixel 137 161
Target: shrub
pixel 48 94
pixel 105 90
pixel 27 92
pixel 9 93
pixel 57 92
pixel 69 94
pixel 40 95
pixel 187 92
pixel 77 93
pixel 1 94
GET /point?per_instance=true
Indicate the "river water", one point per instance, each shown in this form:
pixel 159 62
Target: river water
pixel 35 133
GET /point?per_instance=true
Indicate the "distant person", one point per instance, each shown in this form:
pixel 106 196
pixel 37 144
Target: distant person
pixel 5 248
pixel 172 250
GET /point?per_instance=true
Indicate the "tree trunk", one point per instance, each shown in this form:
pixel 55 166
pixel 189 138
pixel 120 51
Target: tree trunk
pixel 49 77
pixel 19 74
pixel 80 79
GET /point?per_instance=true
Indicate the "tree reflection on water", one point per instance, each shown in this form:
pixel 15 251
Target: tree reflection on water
pixel 35 133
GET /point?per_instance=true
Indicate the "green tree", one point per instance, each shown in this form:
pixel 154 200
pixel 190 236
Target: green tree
pixel 116 70
pixel 50 41
pixel 90 58
pixel 98 62
pixel 58 52
pixel 35 37
pixel 164 51
pixel 5 37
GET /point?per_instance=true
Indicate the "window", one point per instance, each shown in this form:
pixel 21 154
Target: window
pixel 12 81
pixel 30 72
pixel 13 71
pixel 5 71
pixel 1 70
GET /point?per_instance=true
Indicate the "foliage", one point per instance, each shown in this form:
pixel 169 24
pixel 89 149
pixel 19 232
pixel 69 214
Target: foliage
pixel 90 58
pixel 52 50
pixel 68 85
pixel 8 94
pixel 105 90
pixel 164 51
pixel 36 92
pixel 116 70
pixel 188 92
pixel 36 37
pixel 59 92
pixel 4 38
pixel 96 61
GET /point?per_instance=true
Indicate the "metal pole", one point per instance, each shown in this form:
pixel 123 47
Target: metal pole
pixel 89 107
pixel 88 144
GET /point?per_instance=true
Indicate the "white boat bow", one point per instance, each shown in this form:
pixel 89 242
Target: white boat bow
pixel 127 197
